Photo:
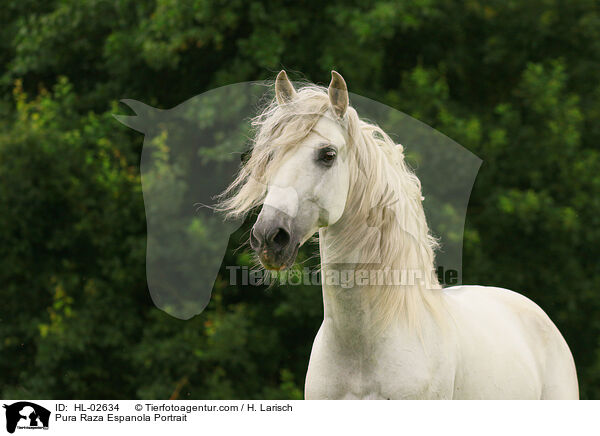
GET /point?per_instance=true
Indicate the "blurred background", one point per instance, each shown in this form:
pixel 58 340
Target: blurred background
pixel 516 83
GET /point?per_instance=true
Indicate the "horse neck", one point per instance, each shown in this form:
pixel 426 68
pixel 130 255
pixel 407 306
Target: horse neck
pixel 346 309
pixel 350 311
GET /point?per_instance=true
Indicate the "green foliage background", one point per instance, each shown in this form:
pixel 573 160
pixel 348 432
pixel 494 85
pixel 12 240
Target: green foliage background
pixel 515 82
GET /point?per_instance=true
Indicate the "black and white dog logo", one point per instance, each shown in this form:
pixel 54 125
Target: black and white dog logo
pixel 26 415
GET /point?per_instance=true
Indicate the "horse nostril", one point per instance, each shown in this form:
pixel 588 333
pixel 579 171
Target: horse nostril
pixel 281 237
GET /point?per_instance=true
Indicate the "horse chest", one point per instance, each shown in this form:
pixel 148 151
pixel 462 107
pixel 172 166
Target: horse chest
pixel 389 370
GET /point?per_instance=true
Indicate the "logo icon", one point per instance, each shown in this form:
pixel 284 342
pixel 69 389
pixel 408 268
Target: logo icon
pixel 26 415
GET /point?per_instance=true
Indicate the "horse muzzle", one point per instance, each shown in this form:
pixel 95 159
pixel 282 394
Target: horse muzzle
pixel 274 239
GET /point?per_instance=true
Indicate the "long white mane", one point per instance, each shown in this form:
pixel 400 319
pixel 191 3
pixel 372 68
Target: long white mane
pixel 384 195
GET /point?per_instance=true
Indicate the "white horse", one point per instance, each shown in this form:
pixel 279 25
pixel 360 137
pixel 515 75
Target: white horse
pixel 316 167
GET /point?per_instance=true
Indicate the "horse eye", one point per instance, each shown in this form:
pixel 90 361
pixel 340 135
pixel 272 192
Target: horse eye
pixel 327 155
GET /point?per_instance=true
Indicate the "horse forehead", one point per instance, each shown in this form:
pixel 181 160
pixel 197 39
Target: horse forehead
pixel 329 129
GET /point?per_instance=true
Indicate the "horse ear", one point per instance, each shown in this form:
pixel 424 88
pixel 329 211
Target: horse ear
pixel 284 90
pixel 145 116
pixel 338 94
